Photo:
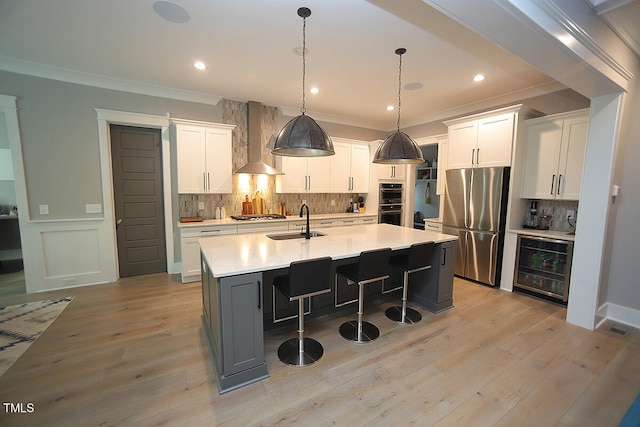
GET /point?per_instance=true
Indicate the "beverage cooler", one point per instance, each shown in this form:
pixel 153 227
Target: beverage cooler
pixel 543 267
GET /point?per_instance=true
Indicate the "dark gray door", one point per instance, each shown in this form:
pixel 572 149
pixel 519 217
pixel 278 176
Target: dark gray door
pixel 137 188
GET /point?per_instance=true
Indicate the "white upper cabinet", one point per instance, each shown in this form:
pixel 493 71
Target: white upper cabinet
pixel 482 140
pixel 204 157
pixel 303 174
pixel 349 167
pixel 554 156
pixel 347 171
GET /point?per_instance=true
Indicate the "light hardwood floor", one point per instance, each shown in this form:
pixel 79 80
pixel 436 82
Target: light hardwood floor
pixel 133 353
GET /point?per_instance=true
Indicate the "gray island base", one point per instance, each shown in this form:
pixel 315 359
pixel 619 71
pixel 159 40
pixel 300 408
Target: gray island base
pixel 239 302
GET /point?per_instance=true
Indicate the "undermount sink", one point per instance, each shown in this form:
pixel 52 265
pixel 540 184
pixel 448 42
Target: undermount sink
pixel 290 236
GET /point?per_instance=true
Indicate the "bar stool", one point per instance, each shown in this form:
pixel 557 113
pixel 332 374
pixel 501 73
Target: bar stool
pixel 417 259
pixel 371 267
pixel 305 279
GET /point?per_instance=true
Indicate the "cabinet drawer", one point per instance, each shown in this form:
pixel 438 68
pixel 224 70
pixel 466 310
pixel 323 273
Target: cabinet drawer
pixel 347 221
pixel 433 226
pixel 369 220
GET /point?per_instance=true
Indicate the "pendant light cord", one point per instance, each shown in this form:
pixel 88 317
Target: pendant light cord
pixel 304 62
pixel 399 87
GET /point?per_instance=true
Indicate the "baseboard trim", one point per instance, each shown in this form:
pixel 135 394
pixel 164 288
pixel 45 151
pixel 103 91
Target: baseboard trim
pixel 618 313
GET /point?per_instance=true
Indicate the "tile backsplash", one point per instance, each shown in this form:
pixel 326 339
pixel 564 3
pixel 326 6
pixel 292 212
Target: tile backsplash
pixel 558 210
pixel 232 203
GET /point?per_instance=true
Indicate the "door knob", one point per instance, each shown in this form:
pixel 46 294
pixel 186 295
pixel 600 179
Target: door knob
pixel 118 222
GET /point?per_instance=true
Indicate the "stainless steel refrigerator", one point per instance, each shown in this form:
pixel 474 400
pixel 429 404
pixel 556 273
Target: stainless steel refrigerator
pixel 474 210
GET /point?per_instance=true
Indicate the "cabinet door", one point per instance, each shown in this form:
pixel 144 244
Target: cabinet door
pixel 340 168
pixel 318 173
pixel 443 155
pixel 541 154
pixel 495 141
pixel 574 140
pixel 218 163
pixel 241 320
pixel 360 169
pixel 463 138
pixel 445 282
pixel 295 178
pixel 190 258
pixel 191 141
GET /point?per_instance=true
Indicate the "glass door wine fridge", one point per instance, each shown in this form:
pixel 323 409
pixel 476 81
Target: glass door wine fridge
pixel 543 267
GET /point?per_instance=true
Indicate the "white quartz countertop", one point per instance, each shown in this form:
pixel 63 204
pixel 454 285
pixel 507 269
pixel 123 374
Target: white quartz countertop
pixel 549 234
pixel 229 221
pixel 233 255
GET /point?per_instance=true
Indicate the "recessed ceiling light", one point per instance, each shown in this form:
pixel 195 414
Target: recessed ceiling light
pixel 478 78
pixel 390 108
pixel 298 51
pixel 314 90
pixel 171 12
pixel 413 86
pixel 200 65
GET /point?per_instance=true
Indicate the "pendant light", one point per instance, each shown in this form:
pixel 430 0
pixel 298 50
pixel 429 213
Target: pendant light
pixel 302 136
pixel 399 148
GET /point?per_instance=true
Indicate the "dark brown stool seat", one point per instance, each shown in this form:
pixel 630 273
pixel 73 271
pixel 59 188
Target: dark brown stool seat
pixel 417 259
pixel 305 279
pixel 372 266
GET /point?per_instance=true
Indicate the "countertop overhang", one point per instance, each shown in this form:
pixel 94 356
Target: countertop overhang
pixel 250 253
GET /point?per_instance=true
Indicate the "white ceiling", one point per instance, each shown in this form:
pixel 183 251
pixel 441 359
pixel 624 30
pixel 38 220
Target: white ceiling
pixel 248 47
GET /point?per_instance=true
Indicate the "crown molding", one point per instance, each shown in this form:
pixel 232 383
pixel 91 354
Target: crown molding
pixel 69 76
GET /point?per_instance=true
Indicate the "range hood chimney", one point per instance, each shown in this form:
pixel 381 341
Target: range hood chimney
pixel 255 165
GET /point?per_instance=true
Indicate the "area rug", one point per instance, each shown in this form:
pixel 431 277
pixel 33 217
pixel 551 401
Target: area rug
pixel 632 417
pixel 21 325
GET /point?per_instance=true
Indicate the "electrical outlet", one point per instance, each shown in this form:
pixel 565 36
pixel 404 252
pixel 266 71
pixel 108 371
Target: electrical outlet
pixel 44 209
pixel 304 202
pixel 200 205
pixel 333 202
pixel 94 208
pixel 571 214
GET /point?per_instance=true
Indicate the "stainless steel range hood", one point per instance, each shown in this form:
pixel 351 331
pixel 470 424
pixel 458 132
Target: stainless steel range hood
pixel 255 165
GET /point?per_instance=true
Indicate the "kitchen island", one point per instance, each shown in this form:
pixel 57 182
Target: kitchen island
pixel 237 274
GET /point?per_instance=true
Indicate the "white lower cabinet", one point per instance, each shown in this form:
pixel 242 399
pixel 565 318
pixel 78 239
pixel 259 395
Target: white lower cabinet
pixel 190 248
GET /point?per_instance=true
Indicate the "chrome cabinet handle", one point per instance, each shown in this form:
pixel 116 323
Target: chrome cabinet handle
pixel 477 156
pixel 208 181
pixel 204 181
pixel 553 183
pixel 473 152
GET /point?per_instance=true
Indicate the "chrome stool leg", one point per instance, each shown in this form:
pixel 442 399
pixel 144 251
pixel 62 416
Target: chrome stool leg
pixel 403 314
pixel 359 330
pixel 300 351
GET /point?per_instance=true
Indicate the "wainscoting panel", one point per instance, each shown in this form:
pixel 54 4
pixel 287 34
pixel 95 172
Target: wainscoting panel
pixel 70 252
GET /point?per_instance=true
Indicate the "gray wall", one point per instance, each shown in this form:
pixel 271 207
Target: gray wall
pixel 622 254
pixel 59 135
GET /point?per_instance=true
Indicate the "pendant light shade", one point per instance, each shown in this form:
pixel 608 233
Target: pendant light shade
pixel 399 148
pixel 302 136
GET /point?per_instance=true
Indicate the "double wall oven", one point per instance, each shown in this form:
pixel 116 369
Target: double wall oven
pixel 391 199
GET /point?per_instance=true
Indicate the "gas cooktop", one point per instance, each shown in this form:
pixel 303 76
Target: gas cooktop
pixel 257 217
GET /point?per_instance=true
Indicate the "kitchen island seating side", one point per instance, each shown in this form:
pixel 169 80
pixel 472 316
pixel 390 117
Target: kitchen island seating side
pixel 305 279
pixel 418 258
pixel 372 266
